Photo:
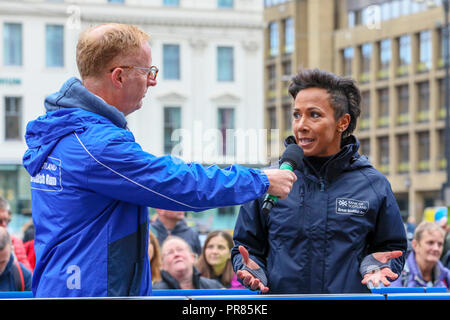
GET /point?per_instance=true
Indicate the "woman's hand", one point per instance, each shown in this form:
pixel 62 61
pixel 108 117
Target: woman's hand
pixel 381 275
pixel 247 278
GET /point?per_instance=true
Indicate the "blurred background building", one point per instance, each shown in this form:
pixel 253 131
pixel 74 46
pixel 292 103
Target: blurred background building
pixel 209 53
pixel 225 67
pixel 394 50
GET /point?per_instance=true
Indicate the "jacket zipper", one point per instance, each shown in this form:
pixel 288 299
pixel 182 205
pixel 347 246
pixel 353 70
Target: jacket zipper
pixel 322 184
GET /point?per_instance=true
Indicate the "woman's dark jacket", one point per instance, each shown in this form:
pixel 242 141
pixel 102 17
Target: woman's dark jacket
pixel 315 240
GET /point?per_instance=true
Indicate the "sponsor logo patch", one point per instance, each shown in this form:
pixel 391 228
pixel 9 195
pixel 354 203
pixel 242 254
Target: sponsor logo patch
pixel 351 206
pixel 49 177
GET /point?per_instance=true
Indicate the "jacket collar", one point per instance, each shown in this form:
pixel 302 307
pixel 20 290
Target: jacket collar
pixel 341 161
pixel 74 95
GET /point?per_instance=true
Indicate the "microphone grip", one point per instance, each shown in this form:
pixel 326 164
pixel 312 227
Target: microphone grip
pixel 271 200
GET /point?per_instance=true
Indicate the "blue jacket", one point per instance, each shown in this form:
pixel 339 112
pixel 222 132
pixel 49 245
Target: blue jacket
pixel 91 184
pixel 314 241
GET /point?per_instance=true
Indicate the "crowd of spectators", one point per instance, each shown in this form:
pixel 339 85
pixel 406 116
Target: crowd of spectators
pixel 180 261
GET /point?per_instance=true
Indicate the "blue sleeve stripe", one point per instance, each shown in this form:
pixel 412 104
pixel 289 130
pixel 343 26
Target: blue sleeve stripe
pixel 136 183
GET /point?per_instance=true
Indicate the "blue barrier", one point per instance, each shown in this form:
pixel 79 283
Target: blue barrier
pixel 386 293
pixel 414 296
pixel 203 292
pixel 422 290
pixel 263 297
pixel 16 294
pixel 387 290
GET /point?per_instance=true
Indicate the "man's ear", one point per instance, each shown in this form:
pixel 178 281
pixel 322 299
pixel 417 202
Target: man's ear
pixel 116 78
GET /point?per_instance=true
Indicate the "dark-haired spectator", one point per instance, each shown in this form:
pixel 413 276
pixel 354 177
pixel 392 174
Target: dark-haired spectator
pixel 215 260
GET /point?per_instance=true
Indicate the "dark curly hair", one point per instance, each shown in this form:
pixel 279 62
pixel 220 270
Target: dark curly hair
pixel 345 96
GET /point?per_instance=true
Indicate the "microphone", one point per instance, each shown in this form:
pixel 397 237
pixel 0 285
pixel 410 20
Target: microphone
pixel 290 159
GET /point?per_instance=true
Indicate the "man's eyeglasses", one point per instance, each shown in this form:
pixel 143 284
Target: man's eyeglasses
pixel 152 72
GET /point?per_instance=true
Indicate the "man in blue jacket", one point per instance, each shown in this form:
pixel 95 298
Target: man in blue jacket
pixel 91 183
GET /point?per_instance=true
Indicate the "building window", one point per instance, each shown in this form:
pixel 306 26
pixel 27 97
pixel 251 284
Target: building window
pixel 347 61
pixel 12 44
pixel 395 13
pixel 404 43
pixel 366 55
pixel 287 117
pixel 383 107
pixel 273 39
pixel 364 122
pixel 424 51
pixel 442 162
pixel 423 108
pixel 171 61
pixel 13 118
pixel 383 152
pixel 385 58
pixel 172 122
pixel 403 104
pixel 405 7
pixel 225 64
pixel 441 107
pixel 365 147
pixel 423 151
pixel 403 157
pixel 271 82
pixel 351 19
pixel 289 35
pixel 54 45
pixel 272 137
pixel 172 3
pixel 225 3
pixel 225 119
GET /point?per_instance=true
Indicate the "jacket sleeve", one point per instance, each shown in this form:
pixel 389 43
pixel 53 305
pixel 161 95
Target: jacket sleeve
pixel 250 232
pixel 390 234
pixel 122 170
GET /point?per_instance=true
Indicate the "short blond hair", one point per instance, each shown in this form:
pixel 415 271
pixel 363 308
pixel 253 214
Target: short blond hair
pixel 428 226
pixel 98 46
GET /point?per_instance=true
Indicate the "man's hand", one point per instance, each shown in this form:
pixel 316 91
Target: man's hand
pixel 381 275
pixel 281 182
pixel 247 278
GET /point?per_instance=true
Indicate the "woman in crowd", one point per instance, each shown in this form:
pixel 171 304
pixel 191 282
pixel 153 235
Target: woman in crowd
pixel 423 267
pixel 215 260
pixel 154 255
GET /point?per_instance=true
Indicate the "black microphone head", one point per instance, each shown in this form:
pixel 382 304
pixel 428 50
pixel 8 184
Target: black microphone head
pixel 293 154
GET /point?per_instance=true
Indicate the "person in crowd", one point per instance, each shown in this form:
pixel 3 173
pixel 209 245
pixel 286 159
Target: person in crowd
pixel 215 259
pixel 28 243
pixel 441 218
pixel 178 269
pixel 14 276
pixel 18 246
pixel 154 255
pixel 423 267
pixel 340 229
pixel 92 183
pixel 171 222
